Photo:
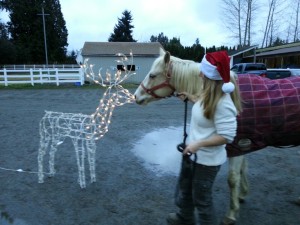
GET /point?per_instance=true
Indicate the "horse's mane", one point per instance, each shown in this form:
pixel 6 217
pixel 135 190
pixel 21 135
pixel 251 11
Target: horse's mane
pixel 186 75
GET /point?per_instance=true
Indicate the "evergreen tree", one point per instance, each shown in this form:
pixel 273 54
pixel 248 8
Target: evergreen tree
pixel 278 42
pixel 175 48
pixel 123 30
pixel 3 31
pixel 161 38
pixel 26 30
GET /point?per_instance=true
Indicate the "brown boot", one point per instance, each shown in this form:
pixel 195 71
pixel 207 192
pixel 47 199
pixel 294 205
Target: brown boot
pixel 175 219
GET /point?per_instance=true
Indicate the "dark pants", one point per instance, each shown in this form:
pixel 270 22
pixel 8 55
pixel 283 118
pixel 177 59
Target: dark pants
pixel 194 190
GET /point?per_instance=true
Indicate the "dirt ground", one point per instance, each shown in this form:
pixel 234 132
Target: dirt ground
pixel 126 193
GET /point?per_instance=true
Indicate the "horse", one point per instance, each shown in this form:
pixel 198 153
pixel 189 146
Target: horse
pixel 270 116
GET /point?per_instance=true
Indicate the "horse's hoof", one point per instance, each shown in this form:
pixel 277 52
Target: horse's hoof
pixel 242 200
pixel 227 221
pixel 297 202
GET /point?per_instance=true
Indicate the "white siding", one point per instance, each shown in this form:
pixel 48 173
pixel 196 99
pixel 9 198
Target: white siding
pixel 142 66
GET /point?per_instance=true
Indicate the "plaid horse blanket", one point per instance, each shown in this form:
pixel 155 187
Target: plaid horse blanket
pixel 271 114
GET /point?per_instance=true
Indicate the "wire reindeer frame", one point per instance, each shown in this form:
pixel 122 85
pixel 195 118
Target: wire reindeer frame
pixel 84 130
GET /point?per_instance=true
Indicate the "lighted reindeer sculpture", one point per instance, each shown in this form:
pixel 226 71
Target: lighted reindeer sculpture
pixel 84 130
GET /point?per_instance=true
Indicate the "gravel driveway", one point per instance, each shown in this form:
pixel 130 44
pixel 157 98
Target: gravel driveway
pixel 126 192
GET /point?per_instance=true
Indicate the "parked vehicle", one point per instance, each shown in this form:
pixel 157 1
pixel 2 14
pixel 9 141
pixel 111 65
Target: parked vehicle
pixel 278 73
pixel 261 70
pixel 250 68
pixel 295 72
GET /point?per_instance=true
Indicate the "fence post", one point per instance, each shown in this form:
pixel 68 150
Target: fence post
pixel 5 77
pixel 56 76
pixel 81 73
pixel 31 77
pixel 41 77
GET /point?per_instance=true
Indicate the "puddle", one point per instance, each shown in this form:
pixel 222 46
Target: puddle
pixel 158 150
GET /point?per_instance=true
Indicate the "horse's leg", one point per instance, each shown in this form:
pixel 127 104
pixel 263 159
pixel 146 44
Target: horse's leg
pixel 44 143
pixel 244 188
pixel 80 154
pixel 91 150
pixel 234 179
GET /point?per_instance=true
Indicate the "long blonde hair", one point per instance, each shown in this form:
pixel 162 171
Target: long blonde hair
pixel 212 92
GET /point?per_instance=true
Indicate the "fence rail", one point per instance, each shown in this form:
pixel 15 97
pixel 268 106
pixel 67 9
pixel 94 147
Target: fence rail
pixel 41 76
pixel 39 66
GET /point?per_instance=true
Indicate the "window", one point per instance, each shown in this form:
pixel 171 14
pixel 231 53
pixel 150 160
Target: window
pixel 128 67
pixel 120 67
pixel 131 67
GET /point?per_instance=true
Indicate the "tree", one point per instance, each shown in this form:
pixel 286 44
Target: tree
pixel 123 30
pixel 161 38
pixel 296 20
pixel 26 30
pixel 238 17
pixel 175 48
pixel 271 23
pixel 7 52
pixel 233 17
pixel 3 31
pixel 278 42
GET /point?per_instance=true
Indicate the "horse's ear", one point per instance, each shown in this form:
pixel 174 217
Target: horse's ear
pixel 167 57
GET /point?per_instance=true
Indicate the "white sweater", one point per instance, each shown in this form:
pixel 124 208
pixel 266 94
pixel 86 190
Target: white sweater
pixel 224 124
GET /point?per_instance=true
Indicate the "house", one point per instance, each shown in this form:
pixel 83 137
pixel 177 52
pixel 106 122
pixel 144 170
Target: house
pixel 103 55
pixel 282 56
pixel 238 56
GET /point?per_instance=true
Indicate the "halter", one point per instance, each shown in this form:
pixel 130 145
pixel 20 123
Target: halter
pixel 166 83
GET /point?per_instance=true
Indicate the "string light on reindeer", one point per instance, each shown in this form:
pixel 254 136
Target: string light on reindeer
pixel 85 130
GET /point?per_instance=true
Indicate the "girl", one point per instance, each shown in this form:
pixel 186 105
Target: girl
pixel 213 125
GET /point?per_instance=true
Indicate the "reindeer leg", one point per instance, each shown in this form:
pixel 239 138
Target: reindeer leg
pixel 91 150
pixel 234 178
pixel 44 143
pixel 80 155
pixel 53 149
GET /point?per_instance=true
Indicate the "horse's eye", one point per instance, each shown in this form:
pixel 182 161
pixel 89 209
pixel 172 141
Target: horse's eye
pixel 152 76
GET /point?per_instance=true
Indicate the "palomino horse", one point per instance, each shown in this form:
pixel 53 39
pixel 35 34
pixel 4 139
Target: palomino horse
pixel 270 117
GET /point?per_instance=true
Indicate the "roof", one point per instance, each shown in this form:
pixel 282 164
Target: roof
pixel 241 50
pixel 112 48
pixel 288 45
pixel 280 51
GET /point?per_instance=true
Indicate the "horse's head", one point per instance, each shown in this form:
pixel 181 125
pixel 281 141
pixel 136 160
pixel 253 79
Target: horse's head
pixel 167 75
pixel 157 84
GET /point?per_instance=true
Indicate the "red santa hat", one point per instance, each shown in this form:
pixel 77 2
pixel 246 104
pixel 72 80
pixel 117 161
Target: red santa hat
pixel 215 66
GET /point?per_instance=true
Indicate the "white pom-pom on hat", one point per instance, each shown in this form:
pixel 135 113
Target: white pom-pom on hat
pixel 228 87
pixel 215 66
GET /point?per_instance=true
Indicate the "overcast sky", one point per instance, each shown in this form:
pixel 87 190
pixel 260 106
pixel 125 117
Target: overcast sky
pixel 94 20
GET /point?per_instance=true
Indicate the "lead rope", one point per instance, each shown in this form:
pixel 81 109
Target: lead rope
pixel 181 146
pixel 185 163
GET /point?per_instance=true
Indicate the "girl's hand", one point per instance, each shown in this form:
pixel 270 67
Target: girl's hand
pixel 183 96
pixel 190 149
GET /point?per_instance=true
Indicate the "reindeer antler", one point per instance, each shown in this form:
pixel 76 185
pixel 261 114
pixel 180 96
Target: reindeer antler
pixel 110 80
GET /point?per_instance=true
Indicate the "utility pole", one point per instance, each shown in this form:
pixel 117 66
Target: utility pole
pixel 44 27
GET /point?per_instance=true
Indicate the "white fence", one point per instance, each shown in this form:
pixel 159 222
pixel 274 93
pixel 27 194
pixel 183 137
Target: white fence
pixel 41 76
pixel 40 66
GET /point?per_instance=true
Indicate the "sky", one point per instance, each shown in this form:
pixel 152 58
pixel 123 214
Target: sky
pixel 94 20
